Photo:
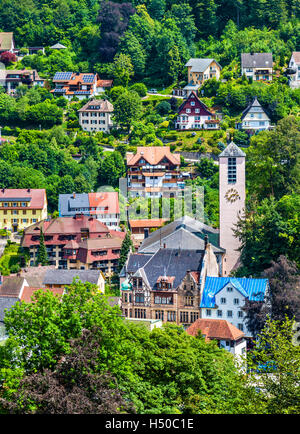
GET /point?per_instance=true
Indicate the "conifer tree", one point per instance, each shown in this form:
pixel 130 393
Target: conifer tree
pixel 42 256
pixel 125 248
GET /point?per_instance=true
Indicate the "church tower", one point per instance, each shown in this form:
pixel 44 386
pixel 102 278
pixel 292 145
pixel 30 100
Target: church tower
pixel 232 192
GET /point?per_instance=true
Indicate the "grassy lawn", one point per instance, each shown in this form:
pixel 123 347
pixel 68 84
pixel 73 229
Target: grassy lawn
pixel 186 141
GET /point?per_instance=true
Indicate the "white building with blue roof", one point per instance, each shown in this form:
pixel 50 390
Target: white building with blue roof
pixel 224 297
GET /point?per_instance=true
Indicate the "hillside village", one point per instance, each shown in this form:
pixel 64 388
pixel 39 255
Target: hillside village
pixel 149 209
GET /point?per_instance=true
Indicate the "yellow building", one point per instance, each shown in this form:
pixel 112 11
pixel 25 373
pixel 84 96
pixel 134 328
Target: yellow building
pixel 20 208
pixel 200 70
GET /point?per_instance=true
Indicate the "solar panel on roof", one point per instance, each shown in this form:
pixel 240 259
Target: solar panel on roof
pixel 81 92
pixel 88 78
pixel 62 76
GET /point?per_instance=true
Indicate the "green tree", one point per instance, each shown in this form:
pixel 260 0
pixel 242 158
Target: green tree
pixel 126 247
pixel 42 256
pixel 274 350
pixel 127 108
pixel 122 69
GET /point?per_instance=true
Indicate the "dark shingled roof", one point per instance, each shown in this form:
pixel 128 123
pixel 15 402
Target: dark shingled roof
pixel 172 263
pixel 66 277
pixel 256 60
pixel 11 286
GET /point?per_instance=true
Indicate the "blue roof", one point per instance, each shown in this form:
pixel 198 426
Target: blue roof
pixel 253 289
pixel 68 205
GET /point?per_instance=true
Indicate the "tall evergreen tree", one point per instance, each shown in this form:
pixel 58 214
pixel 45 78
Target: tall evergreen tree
pixel 42 256
pixel 125 248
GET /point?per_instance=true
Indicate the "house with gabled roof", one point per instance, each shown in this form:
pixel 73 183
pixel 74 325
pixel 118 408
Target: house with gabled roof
pixel 254 118
pixel 70 84
pixel 257 66
pixel 96 115
pixel 153 171
pixel 222 331
pixel 200 70
pixel 7 42
pixel 294 66
pixel 193 114
pixel 224 297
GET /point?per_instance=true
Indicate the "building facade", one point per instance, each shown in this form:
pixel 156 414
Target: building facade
pixel 294 66
pixel 20 208
pixel 96 115
pixel 79 242
pixel 224 298
pixel 104 206
pixel 153 172
pixel 200 70
pixel 70 84
pixel 10 79
pixel 254 118
pixel 257 66
pixel 193 114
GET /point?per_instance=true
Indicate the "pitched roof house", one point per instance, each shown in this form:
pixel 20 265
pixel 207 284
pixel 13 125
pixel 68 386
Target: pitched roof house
pixel 223 297
pixel 294 66
pixel 254 118
pixel 19 208
pixel 153 171
pixel 96 115
pixel 70 84
pixel 194 114
pixel 103 205
pixel 226 334
pixel 200 70
pixel 7 42
pixel 258 66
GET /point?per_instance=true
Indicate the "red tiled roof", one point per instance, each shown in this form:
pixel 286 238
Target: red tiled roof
pixel 109 200
pixel 144 223
pixel 196 276
pixel 37 196
pixel 215 329
pixel 153 155
pixel 296 56
pixel 28 292
pixel 104 83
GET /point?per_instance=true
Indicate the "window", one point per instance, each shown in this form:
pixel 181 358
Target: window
pixel 223 300
pixel 159 314
pixel 189 300
pixel 194 316
pixel 192 103
pixel 229 289
pixel 197 110
pixel 171 315
pixel 188 110
pixel 241 327
pixel 184 317
pixel 229 313
pixel 208 312
pixel 240 314
pixel 219 313
pixel 231 170
pixel 236 301
pixel 140 313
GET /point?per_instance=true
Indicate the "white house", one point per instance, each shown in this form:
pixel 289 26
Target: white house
pixel 294 65
pixel 254 118
pixel 226 334
pixel 258 66
pixel 224 297
pixel 96 115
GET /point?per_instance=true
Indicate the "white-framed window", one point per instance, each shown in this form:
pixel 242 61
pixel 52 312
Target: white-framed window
pixel 188 110
pixel 208 312
pixel 197 110
pixel 192 103
pixel 229 314
pixel 223 300
pixel 240 314
pixel 219 313
pixel 236 301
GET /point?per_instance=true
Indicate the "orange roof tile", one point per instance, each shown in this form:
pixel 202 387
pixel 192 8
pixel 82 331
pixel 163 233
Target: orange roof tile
pixel 153 155
pixel 28 292
pixel 215 329
pixel 147 223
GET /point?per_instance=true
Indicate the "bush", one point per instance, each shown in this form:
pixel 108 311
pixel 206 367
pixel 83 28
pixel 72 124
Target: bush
pixel 140 89
pixel 163 108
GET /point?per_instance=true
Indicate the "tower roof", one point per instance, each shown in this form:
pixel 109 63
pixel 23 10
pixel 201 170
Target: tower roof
pixel 232 150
